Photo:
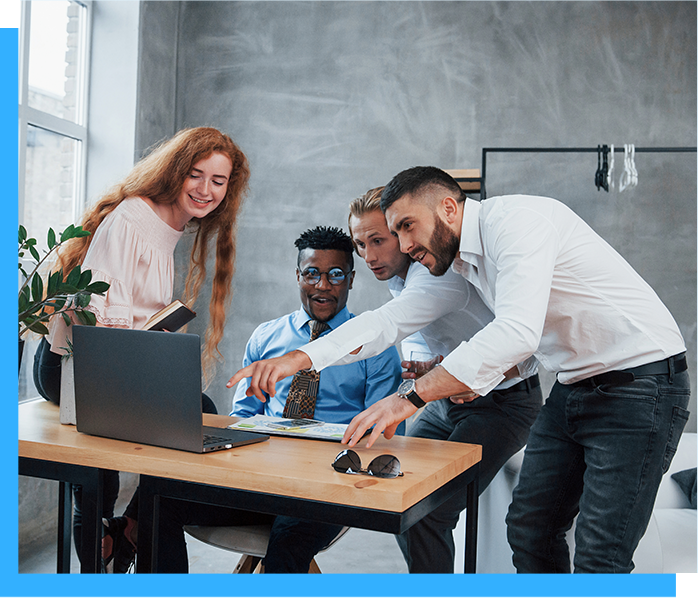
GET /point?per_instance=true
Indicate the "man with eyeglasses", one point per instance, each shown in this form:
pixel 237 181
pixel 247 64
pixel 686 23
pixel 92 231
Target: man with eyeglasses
pixel 325 273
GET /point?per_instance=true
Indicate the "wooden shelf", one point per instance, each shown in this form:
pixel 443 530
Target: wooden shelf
pixel 464 178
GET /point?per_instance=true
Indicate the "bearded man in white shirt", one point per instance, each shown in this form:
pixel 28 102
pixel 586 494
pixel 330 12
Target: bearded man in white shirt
pixel 499 421
pixel 611 424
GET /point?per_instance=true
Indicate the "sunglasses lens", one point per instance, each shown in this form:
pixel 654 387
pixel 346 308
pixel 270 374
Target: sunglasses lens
pixel 384 466
pixel 347 462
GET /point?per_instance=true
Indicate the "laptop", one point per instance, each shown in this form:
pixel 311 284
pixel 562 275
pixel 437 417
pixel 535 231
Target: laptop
pixel 145 387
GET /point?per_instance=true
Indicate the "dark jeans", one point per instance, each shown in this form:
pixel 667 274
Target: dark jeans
pixel 47 379
pixel 293 543
pixel 599 452
pixel 500 422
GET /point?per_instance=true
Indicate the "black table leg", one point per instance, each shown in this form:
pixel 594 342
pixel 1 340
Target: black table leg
pixel 471 525
pixel 65 523
pixel 91 550
pixel 92 481
pixel 147 518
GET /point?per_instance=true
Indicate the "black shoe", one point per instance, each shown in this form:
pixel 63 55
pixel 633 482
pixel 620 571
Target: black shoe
pixel 123 552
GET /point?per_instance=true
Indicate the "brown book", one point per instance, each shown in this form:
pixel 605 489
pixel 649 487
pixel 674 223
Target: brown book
pixel 170 318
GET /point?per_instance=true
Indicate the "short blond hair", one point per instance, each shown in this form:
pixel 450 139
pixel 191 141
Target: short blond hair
pixel 368 202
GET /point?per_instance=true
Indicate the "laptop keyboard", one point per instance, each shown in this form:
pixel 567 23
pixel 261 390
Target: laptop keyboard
pixel 212 439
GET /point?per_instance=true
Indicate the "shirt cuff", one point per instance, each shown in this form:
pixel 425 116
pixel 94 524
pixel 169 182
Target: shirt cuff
pixel 465 365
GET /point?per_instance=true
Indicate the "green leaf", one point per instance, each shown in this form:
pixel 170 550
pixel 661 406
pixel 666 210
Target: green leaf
pixel 52 286
pixel 79 232
pixel 37 288
pixel 51 238
pixel 85 279
pixel 25 292
pixel 23 271
pixel 58 304
pixel 74 276
pixel 67 233
pixel 98 288
pixel 86 317
pixel 23 303
pixel 22 233
pixel 66 319
pixel 67 289
pixel 35 253
pixel 69 350
pixel 39 328
pixel 83 299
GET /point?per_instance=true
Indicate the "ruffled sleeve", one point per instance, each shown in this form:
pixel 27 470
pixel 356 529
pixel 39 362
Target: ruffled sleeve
pixel 133 251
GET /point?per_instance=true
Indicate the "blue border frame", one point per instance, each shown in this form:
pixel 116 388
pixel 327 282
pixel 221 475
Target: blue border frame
pixel 225 585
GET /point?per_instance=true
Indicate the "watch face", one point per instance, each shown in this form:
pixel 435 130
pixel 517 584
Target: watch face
pixel 406 386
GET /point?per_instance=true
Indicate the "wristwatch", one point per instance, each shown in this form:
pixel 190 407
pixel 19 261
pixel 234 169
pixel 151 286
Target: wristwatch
pixel 406 391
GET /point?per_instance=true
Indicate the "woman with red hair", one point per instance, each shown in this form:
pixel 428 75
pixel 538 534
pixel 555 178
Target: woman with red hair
pixel 193 182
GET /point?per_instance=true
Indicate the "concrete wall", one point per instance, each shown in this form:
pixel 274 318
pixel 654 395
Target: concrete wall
pixel 157 81
pixel 329 99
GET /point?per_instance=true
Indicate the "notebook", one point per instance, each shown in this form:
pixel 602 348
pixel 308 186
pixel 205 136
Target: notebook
pixel 145 387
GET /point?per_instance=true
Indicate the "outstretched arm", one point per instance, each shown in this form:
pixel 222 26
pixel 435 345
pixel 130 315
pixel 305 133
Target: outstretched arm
pixel 266 373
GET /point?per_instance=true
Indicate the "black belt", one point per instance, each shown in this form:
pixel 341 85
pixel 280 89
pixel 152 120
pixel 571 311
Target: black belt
pixel 528 384
pixel 670 366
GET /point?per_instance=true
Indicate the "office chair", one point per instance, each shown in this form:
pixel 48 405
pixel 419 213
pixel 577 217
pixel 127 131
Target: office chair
pixel 249 540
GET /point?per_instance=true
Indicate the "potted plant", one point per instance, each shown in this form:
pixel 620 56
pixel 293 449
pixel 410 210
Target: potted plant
pixel 60 295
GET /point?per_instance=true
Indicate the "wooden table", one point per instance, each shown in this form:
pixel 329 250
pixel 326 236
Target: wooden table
pixel 278 476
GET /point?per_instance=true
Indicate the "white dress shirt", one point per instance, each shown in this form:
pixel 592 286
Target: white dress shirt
pixel 558 290
pixel 445 310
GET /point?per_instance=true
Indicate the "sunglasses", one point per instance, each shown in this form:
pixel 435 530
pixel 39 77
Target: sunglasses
pixel 383 466
pixel 312 276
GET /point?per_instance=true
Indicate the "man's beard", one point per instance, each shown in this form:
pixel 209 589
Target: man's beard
pixel 444 247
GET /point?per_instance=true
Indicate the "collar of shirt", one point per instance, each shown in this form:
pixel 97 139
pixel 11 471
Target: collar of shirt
pixel 397 284
pixel 468 262
pixel 470 241
pixel 301 318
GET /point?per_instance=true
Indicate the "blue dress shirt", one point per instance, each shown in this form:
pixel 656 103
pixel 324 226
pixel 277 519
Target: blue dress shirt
pixel 344 391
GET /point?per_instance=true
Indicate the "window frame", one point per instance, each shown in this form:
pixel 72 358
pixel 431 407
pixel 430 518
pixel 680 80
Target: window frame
pixel 49 122
pixel 78 131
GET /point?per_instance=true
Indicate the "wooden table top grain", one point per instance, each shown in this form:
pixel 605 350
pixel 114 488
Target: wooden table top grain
pixel 295 467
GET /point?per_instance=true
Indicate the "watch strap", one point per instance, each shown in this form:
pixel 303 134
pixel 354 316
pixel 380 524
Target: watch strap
pixel 415 399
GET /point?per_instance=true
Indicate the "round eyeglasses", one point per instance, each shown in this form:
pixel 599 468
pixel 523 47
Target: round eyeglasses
pixel 383 466
pixel 335 276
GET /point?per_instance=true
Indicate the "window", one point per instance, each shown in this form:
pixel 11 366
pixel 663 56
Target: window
pixel 53 56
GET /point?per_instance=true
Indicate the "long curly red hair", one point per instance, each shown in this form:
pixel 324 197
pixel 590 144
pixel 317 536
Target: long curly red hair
pixel 160 177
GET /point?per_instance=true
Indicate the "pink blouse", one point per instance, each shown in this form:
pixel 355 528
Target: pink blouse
pixel 132 250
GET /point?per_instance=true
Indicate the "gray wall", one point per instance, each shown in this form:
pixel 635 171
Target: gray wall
pixel 328 99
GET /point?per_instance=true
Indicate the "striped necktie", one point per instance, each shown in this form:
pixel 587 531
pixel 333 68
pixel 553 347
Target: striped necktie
pixel 302 393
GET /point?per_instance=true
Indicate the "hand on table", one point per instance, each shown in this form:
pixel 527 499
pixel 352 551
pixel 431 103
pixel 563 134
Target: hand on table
pixel 384 416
